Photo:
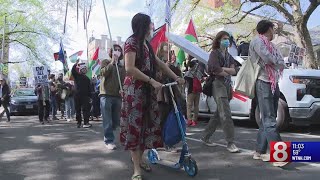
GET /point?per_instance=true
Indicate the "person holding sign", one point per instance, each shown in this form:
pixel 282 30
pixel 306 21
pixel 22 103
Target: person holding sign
pixel 82 93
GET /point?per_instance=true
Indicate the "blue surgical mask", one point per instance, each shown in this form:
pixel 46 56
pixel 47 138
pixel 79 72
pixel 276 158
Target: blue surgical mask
pixel 225 43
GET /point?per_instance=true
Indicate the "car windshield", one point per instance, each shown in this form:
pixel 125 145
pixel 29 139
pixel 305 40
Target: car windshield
pixel 24 92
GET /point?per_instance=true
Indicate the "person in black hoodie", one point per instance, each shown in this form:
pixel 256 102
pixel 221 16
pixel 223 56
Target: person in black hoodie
pixel 82 93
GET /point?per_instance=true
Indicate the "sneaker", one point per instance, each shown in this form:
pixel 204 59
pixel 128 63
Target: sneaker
pixel 172 149
pixel 232 148
pixel 111 146
pixel 42 123
pixel 280 164
pixel 87 125
pixel 265 157
pixel 207 142
pixel 78 125
pixel 55 118
pixel 256 156
pixel 68 120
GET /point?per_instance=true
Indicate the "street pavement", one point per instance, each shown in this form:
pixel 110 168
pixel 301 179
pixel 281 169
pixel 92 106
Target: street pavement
pixel 60 151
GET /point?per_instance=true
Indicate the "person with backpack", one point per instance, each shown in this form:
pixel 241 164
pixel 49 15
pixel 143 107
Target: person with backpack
pixel 193 80
pixel 221 66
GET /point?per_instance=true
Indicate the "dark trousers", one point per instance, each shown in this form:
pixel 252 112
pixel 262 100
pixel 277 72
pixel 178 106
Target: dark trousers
pixel 95 108
pixel 82 105
pixel 43 110
pixel 60 103
pixel 6 110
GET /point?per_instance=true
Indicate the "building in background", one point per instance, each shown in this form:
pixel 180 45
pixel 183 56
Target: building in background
pixel 104 45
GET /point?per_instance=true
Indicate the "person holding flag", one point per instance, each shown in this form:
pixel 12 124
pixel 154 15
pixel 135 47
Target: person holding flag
pixel 110 99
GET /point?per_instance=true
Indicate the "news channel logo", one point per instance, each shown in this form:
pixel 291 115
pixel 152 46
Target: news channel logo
pixel 286 151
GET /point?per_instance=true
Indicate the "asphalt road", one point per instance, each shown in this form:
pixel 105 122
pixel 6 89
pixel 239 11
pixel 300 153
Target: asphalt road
pixel 60 151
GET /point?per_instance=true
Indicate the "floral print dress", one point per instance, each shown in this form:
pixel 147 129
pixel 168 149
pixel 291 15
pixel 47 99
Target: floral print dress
pixel 138 129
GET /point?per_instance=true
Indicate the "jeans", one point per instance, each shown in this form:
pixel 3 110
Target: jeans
pixel 69 106
pixel 82 105
pixel 222 95
pixel 53 104
pixel 43 110
pixel 110 110
pixel 268 106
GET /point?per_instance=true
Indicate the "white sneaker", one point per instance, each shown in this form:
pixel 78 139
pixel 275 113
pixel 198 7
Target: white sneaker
pixel 207 142
pixel 263 157
pixel 280 164
pixel 232 148
pixel 68 120
pixel 111 146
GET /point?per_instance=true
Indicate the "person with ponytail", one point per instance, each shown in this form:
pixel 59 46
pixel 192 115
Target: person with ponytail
pixel 140 116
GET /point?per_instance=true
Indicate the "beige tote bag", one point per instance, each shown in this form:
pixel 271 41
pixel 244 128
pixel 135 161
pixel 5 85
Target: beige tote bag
pixel 246 78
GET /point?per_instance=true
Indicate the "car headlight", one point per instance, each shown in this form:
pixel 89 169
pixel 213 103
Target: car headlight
pixel 299 80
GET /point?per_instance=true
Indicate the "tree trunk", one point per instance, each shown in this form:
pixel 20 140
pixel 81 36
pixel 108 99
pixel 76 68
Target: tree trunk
pixel 303 39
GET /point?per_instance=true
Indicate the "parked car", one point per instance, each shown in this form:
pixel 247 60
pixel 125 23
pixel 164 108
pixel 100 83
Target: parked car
pixel 23 100
pixel 299 102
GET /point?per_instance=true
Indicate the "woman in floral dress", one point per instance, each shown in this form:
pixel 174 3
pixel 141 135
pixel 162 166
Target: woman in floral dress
pixel 140 116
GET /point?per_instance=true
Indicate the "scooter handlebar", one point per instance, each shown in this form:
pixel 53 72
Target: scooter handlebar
pixel 170 84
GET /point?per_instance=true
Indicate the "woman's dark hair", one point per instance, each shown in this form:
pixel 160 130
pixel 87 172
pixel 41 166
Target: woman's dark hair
pixel 191 64
pixel 141 26
pixel 263 26
pixel 111 51
pixel 217 39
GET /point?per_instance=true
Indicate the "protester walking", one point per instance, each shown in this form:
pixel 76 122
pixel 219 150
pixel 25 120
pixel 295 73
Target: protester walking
pixel 140 116
pixel 221 66
pixel 60 95
pixel 69 101
pixel 82 94
pixel 95 107
pixel 43 93
pixel 53 93
pixel 269 58
pixel 5 98
pixel 110 99
pixel 193 78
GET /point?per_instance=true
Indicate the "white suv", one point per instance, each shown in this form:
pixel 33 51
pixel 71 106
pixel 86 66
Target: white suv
pixel 299 101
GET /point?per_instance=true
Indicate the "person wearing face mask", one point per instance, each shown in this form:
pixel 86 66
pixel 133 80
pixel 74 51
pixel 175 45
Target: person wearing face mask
pixel 82 93
pixel 110 97
pixel 263 51
pixel 221 66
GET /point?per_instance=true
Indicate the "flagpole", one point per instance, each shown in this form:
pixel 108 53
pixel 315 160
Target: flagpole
pixel 105 12
pixel 168 27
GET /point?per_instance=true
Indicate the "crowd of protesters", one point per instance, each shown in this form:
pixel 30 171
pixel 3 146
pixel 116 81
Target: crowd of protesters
pixel 128 92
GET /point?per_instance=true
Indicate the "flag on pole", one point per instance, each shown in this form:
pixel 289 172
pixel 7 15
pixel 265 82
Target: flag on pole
pixel 73 58
pixel 63 58
pixel 95 63
pixel 190 35
pixel 168 13
pixel 159 37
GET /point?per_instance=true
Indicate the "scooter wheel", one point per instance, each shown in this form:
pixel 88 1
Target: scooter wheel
pixel 153 156
pixel 190 166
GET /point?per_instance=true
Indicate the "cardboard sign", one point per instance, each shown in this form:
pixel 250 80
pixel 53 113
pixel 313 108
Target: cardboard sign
pixel 40 74
pixel 23 81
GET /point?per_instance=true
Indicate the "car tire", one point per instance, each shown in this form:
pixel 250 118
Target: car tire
pixel 282 116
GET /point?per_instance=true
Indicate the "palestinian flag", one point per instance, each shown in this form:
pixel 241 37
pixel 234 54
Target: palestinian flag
pixel 73 58
pixel 94 65
pixel 159 37
pixel 190 35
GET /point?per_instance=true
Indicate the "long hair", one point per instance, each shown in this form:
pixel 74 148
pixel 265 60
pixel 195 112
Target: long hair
pixel 217 39
pixel 141 26
pixel 160 50
pixel 111 51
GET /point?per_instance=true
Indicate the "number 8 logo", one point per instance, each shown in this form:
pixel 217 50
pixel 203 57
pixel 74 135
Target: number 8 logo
pixel 278 151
